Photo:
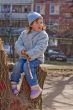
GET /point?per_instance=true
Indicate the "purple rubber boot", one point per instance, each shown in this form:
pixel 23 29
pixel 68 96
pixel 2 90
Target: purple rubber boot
pixel 35 91
pixel 14 88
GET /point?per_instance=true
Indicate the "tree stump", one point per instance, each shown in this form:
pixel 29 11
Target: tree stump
pixel 8 101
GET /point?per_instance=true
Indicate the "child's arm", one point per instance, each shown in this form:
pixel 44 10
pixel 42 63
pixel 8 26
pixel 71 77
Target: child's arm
pixel 24 54
pixel 40 47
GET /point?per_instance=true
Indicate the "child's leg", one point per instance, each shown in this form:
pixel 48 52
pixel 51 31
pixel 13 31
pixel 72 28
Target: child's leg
pixel 35 88
pixel 15 76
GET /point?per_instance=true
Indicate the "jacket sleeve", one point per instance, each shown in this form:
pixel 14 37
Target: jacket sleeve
pixel 19 45
pixel 40 47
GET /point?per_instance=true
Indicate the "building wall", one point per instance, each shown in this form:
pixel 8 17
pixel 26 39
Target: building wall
pixel 14 13
pixel 56 12
pixel 58 18
pixel 13 17
pixel 15 1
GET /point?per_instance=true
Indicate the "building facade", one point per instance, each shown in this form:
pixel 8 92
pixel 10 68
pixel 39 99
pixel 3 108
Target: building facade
pixel 13 14
pixel 56 13
pixel 58 16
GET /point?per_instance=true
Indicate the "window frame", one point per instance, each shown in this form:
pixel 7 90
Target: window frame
pixel 54 6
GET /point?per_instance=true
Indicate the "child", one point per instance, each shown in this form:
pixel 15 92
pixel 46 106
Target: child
pixel 31 45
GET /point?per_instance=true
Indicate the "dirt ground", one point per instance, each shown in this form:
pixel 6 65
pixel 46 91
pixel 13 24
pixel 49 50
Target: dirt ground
pixel 58 91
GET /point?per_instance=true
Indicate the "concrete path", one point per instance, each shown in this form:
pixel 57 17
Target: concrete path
pixel 58 93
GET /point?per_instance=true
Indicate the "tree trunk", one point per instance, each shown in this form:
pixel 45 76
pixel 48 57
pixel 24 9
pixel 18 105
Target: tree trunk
pixel 8 101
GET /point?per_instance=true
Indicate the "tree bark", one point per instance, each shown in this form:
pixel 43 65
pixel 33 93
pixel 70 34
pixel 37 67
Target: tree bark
pixel 8 101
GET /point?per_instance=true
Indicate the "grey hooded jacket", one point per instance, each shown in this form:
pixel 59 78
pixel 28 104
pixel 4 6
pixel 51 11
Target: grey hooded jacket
pixel 35 44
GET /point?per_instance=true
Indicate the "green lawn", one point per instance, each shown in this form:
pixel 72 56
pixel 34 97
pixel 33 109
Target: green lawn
pixel 57 62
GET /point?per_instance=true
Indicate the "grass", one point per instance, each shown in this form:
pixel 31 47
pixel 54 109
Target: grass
pixel 58 63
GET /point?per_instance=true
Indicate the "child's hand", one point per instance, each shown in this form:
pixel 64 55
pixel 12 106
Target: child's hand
pixel 24 54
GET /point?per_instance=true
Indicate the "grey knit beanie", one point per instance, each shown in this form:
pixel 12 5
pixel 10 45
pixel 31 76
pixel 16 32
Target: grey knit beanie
pixel 33 16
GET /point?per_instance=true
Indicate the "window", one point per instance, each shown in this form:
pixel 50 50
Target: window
pixel 21 8
pixel 25 8
pixel 53 42
pixel 4 23
pixel 53 23
pixel 5 8
pixel 15 23
pixel 69 1
pixel 68 15
pixel 40 8
pixel 54 9
pixel 19 23
pixel 17 9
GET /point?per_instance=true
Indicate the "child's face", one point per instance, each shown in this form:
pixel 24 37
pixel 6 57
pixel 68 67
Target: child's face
pixel 37 25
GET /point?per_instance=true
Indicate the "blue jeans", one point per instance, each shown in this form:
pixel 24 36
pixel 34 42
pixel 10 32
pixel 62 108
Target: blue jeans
pixel 22 66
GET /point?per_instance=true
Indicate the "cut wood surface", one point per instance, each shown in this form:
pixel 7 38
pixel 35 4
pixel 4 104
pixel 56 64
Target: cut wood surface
pixel 48 67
